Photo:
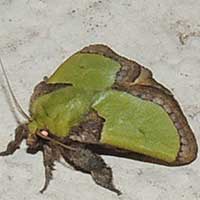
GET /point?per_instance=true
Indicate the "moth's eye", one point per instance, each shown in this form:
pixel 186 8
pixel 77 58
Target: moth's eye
pixel 44 133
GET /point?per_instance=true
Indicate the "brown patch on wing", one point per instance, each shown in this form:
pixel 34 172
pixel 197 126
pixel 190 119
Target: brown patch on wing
pixel 89 130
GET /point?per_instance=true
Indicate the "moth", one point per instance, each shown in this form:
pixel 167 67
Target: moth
pixel 100 103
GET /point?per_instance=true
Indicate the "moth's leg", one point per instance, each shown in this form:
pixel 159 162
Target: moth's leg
pixel 87 161
pixel 50 155
pixel 21 133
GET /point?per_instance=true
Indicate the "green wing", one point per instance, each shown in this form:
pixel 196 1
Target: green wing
pixel 137 125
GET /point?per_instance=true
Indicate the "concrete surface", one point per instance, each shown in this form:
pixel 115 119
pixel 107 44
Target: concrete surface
pixel 37 35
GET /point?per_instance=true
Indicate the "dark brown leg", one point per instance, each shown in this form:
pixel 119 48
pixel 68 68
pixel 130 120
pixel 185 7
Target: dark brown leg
pixel 50 155
pixel 87 161
pixel 21 133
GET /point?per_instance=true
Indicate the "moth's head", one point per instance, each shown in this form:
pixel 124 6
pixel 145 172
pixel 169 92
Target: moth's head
pixel 33 139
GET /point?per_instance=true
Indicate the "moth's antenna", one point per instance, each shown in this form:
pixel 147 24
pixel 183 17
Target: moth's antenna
pixel 19 108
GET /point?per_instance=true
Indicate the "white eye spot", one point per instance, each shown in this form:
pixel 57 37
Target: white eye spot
pixel 45 133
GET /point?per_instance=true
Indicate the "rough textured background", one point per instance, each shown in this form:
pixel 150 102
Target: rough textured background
pixel 37 35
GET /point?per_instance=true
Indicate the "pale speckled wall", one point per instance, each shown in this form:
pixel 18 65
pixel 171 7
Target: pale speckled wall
pixel 37 35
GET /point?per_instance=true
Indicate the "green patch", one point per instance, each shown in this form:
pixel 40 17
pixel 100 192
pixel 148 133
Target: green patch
pixel 88 71
pixel 137 125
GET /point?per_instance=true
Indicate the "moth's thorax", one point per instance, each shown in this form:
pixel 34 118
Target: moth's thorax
pixel 60 110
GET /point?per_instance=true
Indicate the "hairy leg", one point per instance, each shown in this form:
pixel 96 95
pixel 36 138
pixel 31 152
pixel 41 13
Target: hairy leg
pixel 21 133
pixel 89 162
pixel 50 155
